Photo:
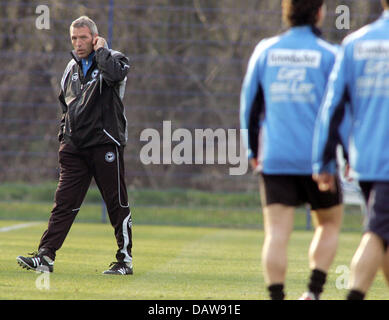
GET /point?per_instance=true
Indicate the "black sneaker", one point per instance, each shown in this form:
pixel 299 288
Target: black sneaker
pixel 37 262
pixel 120 268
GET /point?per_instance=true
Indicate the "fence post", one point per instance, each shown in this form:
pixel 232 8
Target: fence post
pixel 103 212
pixel 110 23
pixel 308 218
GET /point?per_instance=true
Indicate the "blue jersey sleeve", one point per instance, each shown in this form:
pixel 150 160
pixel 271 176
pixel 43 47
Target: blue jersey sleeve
pixel 251 104
pixel 327 135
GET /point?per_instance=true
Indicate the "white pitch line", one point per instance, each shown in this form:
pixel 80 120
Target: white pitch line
pixel 18 226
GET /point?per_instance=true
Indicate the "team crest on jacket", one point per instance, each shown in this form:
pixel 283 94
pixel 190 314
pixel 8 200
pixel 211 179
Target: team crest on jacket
pixel 109 157
pixel 75 76
pixel 95 73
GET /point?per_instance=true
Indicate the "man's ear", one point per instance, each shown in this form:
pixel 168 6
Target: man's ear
pixel 95 38
pixel 321 15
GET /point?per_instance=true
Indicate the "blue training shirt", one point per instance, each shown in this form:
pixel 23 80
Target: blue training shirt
pixel 360 82
pixel 87 62
pixel 280 98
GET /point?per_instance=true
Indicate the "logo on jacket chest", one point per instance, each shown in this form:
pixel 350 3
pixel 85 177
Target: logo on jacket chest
pixel 94 73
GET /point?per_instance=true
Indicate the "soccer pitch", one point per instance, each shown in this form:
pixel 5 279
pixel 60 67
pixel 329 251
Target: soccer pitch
pixel 170 263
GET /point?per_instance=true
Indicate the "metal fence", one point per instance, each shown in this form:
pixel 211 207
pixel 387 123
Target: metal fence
pixel 188 60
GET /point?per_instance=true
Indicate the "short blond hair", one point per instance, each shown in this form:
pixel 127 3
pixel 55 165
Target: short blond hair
pixel 85 21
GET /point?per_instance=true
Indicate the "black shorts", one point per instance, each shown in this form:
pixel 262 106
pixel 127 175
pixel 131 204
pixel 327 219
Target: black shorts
pixel 297 190
pixel 376 195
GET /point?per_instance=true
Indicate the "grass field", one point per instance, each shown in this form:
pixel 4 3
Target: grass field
pixel 170 262
pixel 188 244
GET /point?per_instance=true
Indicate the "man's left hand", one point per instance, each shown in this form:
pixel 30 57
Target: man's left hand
pixel 253 163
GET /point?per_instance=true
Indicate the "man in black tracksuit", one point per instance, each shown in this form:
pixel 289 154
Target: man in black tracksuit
pixel 93 133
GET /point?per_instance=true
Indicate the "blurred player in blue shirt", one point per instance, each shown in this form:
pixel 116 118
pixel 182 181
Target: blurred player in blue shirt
pixel 360 82
pixel 281 95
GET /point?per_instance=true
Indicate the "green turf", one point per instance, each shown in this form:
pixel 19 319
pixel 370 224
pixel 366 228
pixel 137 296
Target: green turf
pixel 184 207
pixel 230 217
pixel 169 263
pixel 44 192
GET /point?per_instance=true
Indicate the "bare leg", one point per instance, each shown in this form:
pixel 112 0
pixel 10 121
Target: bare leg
pixel 278 225
pixel 366 262
pixel 325 239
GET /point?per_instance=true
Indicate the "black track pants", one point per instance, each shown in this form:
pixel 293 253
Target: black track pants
pixel 77 167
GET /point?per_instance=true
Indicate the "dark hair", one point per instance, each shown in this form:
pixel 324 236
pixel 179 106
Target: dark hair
pixel 301 12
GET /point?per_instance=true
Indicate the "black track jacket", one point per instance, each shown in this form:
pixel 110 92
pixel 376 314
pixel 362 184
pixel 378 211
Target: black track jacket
pixel 93 112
